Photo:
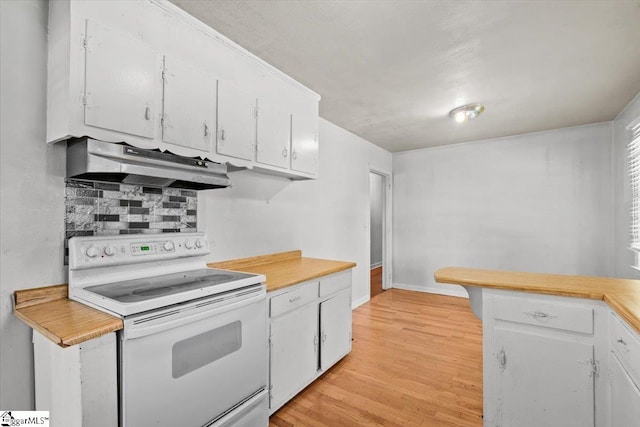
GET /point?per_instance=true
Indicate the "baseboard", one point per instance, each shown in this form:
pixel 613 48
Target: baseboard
pixel 450 290
pixel 357 303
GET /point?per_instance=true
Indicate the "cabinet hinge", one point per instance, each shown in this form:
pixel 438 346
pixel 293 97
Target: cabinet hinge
pixel 255 113
pixel 270 389
pixel 84 100
pixel 85 43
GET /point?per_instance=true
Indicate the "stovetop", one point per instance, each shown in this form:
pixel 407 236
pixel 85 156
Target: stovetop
pixel 169 284
pixel 126 275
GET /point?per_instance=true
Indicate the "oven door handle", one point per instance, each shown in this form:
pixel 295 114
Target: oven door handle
pixel 179 318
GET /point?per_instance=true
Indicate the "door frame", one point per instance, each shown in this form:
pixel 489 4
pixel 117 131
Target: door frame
pixel 387 252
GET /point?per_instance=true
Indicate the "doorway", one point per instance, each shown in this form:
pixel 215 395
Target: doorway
pixel 379 229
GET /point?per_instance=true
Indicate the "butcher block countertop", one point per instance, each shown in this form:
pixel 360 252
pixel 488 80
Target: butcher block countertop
pixel 65 322
pixel 49 311
pixel 622 295
pixel 284 269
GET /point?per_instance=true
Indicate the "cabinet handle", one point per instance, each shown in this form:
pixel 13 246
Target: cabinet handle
pixel 502 360
pixel 623 343
pixel 222 135
pixel 539 315
pixel 295 299
pixel 294 155
pixel 285 153
pixel 147 113
pixel 206 130
pixel 324 337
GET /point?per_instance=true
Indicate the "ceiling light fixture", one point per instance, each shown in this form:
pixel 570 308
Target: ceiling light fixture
pixel 466 112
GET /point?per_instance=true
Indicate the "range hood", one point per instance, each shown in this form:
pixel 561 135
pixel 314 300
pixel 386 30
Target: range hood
pixel 104 161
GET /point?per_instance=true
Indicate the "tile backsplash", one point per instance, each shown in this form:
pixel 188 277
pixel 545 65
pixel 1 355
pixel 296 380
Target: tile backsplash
pixel 100 208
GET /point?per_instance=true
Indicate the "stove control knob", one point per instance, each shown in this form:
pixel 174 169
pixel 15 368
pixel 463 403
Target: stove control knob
pixel 199 243
pixel 188 244
pixel 92 252
pixel 168 246
pixel 109 251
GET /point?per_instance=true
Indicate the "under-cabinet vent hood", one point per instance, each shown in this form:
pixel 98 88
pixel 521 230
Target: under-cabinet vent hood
pixel 104 161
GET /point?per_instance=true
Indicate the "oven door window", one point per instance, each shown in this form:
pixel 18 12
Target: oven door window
pixel 200 350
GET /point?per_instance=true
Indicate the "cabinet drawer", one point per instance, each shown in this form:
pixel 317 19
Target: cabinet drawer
pixel 626 345
pixel 547 314
pixel 298 296
pixel 334 283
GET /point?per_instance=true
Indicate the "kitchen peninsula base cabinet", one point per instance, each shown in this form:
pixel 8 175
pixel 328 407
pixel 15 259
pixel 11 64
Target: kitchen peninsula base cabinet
pixel 309 331
pixel 625 373
pixel 545 360
pixel 77 384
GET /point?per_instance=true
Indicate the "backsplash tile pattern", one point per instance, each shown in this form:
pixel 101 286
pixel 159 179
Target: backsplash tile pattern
pixel 99 209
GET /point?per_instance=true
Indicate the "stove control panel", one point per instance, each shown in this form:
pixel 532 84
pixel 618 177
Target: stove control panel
pixel 89 252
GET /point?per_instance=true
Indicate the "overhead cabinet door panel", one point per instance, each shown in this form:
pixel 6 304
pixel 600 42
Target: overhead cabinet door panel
pixel 120 80
pixel 304 143
pixel 236 122
pixel 274 136
pixel 189 105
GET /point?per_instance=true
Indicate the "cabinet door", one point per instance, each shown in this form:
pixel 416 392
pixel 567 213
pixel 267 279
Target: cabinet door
pixel 335 328
pixel 625 396
pixel 274 136
pixel 294 352
pixel 304 143
pixel 120 82
pixel 543 381
pixel 189 105
pixel 236 135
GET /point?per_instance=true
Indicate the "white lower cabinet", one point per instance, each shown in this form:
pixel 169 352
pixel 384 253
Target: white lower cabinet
pixel 625 373
pixel 310 330
pixel 625 396
pixel 335 328
pixel 294 352
pixel 543 381
pixel 545 360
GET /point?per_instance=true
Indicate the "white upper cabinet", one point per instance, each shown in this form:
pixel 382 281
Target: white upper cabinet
pixel 274 135
pixel 120 82
pixel 304 141
pixel 189 101
pixel 236 136
pixel 146 73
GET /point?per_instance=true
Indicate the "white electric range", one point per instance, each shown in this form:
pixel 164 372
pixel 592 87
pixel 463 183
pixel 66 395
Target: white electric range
pixel 193 350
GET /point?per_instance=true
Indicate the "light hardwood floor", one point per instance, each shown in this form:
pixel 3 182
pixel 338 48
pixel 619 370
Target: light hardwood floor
pixel 416 361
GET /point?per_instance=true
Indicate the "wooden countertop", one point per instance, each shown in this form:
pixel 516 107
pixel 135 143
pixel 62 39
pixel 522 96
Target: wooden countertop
pixel 49 311
pixel 285 268
pixel 623 295
pixel 65 322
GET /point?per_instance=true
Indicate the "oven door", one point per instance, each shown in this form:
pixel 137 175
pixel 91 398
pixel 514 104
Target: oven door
pixel 191 364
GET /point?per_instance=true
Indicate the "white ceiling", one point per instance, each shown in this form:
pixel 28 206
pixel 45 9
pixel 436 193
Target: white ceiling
pixel 390 71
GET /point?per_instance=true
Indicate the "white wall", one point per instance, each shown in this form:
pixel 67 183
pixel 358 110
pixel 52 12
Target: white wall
pixel 622 190
pixel 538 202
pixel 32 189
pixel 376 193
pixel 325 218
